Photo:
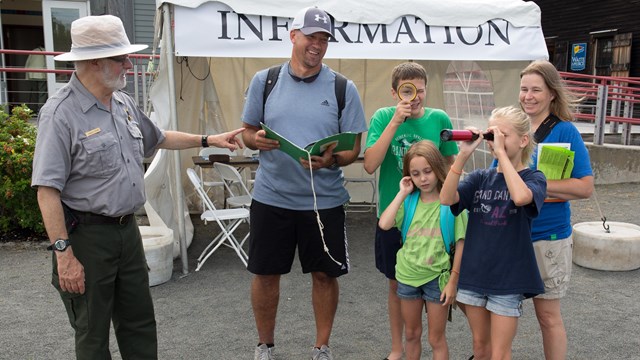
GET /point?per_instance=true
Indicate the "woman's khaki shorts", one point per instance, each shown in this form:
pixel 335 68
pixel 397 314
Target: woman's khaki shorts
pixel 554 262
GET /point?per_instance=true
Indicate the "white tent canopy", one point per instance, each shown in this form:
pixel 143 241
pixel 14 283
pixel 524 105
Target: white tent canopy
pixel 220 45
pixel 468 13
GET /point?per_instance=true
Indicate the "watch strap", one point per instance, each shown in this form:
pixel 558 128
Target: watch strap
pixel 204 141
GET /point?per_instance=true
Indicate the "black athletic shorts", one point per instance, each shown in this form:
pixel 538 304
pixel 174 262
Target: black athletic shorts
pixel 276 232
pixel 387 244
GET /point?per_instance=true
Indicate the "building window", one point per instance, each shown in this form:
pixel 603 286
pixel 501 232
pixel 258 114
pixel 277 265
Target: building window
pixel 604 56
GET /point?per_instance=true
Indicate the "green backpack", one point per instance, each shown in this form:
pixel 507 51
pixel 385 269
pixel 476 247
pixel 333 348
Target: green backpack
pixel 446 221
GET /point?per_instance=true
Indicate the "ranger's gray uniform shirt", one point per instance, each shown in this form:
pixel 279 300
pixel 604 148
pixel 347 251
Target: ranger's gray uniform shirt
pixel 93 156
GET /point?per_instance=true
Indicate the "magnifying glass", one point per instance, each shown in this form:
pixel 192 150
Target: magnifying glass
pixel 407 91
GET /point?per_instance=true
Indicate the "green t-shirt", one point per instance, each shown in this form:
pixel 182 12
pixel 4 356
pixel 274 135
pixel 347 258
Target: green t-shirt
pixel 423 257
pixel 427 127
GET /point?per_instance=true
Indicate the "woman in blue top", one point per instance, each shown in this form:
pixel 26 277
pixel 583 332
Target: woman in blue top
pixel 543 97
pixel 498 267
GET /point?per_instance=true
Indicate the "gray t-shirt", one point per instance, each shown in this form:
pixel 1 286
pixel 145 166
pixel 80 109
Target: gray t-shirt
pixel 303 113
pixel 93 155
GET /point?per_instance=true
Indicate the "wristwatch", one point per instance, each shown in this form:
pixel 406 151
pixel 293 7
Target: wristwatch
pixel 335 165
pixel 59 245
pixel 204 141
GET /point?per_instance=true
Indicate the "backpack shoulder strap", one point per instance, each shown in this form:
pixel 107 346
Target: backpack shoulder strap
pixel 272 79
pixel 410 204
pixel 447 228
pixel 341 90
pixel 340 87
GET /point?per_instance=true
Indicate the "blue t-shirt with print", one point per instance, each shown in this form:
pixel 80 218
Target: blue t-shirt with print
pixel 498 255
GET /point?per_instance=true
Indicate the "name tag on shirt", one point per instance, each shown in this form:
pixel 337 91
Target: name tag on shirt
pixel 92 132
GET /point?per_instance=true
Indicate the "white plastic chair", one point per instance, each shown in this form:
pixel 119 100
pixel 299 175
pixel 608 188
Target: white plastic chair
pixel 209 183
pixel 232 178
pixel 227 219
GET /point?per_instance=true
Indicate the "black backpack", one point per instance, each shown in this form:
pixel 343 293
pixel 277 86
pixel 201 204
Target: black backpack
pixel 340 87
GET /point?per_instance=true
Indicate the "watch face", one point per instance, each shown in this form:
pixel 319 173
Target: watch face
pixel 60 245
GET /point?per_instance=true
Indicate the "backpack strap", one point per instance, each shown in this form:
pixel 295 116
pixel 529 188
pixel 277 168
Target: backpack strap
pixel 410 204
pixel 545 128
pixel 341 90
pixel 446 221
pixel 447 228
pixel 272 79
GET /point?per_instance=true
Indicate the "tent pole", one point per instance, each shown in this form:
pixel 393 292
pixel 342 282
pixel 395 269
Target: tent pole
pixel 174 124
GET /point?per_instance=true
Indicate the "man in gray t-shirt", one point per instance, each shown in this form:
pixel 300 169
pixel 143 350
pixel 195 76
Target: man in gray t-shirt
pixel 88 170
pixel 292 196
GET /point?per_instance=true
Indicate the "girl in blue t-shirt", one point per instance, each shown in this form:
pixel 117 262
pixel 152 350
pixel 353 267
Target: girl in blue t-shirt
pixel 425 273
pixel 498 268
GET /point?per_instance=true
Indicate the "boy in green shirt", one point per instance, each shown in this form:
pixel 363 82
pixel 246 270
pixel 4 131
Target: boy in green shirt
pixel 392 131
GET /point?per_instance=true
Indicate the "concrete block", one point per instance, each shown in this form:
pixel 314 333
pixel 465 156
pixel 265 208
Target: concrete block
pixel 617 250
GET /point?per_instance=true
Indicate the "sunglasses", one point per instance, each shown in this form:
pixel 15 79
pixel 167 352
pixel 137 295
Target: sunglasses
pixel 119 59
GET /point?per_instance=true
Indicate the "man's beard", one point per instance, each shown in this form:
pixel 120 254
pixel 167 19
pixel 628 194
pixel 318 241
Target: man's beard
pixel 112 82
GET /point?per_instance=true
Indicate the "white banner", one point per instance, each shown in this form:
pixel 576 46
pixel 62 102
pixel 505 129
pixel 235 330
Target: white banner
pixel 214 29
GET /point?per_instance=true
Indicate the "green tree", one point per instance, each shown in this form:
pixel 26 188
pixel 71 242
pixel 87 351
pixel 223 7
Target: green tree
pixel 19 210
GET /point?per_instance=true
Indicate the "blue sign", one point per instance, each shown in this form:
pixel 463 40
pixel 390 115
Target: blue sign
pixel 578 56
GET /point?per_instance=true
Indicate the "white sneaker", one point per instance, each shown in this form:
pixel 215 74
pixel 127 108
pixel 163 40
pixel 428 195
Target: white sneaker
pixel 263 352
pixel 324 353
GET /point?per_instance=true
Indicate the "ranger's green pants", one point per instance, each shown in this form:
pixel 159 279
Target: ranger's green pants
pixel 116 288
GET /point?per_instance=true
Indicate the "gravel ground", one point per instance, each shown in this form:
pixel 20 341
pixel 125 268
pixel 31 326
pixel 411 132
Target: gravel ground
pixel 207 315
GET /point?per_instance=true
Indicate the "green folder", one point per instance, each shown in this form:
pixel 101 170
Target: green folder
pixel 345 141
pixel 556 162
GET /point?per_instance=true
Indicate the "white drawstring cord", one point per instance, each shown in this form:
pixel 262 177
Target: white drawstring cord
pixel 315 209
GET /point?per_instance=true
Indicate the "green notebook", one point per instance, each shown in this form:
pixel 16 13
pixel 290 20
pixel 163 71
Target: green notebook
pixel 345 141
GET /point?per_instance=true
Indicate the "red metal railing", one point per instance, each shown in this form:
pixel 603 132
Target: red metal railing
pixel 612 100
pixel 139 77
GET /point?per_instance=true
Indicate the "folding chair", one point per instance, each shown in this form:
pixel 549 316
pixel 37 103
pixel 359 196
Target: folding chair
pixel 232 178
pixel 228 221
pixel 251 176
pixel 363 206
pixel 209 183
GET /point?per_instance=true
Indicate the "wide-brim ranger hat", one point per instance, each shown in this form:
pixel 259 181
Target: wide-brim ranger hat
pixel 312 20
pixel 97 37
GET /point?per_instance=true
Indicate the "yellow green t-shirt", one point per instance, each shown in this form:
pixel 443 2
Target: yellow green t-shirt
pixel 423 257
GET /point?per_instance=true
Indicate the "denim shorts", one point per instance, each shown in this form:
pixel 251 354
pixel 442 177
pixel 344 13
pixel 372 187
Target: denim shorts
pixel 428 292
pixel 505 305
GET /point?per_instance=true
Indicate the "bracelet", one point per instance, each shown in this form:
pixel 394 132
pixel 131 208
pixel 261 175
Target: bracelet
pixel 455 272
pixel 204 141
pixel 459 173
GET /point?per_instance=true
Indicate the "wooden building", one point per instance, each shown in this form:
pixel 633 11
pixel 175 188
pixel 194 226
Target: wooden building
pixel 597 37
